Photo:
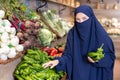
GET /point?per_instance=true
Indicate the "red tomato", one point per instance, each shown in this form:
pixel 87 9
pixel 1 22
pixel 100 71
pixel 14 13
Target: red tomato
pixel 58 55
pixel 47 49
pixel 53 51
pixel 60 49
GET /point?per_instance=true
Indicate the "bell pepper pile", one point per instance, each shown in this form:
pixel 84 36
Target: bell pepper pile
pixel 55 52
pixel 96 56
pixel 30 68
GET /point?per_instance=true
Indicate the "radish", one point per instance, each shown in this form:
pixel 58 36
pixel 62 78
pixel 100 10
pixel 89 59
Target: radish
pixel 14 24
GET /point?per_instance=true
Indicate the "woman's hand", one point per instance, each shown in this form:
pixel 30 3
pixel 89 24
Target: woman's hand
pixel 91 60
pixel 50 64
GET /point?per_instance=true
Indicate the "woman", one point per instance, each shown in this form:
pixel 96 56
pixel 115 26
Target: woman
pixel 86 36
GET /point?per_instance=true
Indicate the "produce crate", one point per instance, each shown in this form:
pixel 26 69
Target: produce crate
pixel 11 59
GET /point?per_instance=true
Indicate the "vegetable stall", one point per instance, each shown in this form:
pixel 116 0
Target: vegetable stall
pixel 28 36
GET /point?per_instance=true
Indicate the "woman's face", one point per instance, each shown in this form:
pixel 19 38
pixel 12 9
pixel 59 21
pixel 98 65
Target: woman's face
pixel 81 17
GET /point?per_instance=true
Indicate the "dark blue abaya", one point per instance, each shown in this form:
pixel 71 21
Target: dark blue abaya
pixel 83 38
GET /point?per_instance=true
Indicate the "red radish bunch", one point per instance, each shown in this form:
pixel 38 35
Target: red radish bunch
pixel 17 23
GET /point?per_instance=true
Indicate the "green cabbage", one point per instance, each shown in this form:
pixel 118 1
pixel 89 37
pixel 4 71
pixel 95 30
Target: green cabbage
pixel 45 37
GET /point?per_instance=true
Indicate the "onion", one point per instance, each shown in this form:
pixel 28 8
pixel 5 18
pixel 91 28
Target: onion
pixel 29 31
pixel 37 25
pixel 27 24
pixel 31 39
pixel 26 35
pixel 35 32
pixel 27 44
pixel 22 41
pixel 20 35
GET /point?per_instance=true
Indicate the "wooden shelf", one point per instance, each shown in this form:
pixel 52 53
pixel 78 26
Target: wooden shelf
pixel 61 3
pixel 112 11
pixel 107 13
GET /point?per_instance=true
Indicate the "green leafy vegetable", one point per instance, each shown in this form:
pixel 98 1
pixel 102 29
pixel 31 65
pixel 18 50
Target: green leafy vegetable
pixel 45 37
pixel 97 55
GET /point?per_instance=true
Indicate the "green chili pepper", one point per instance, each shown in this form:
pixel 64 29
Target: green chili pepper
pixel 97 55
pixel 18 77
pixel 30 68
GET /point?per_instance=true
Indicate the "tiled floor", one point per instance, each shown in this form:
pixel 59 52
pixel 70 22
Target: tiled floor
pixel 6 71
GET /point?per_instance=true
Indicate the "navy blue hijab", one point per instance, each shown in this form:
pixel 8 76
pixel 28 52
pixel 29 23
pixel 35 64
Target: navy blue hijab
pixel 83 38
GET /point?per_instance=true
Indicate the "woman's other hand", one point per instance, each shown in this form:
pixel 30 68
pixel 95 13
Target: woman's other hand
pixel 91 60
pixel 51 64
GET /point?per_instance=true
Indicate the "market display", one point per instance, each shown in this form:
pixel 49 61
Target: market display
pixel 22 31
pixel 30 68
pixel 27 30
pixel 111 25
